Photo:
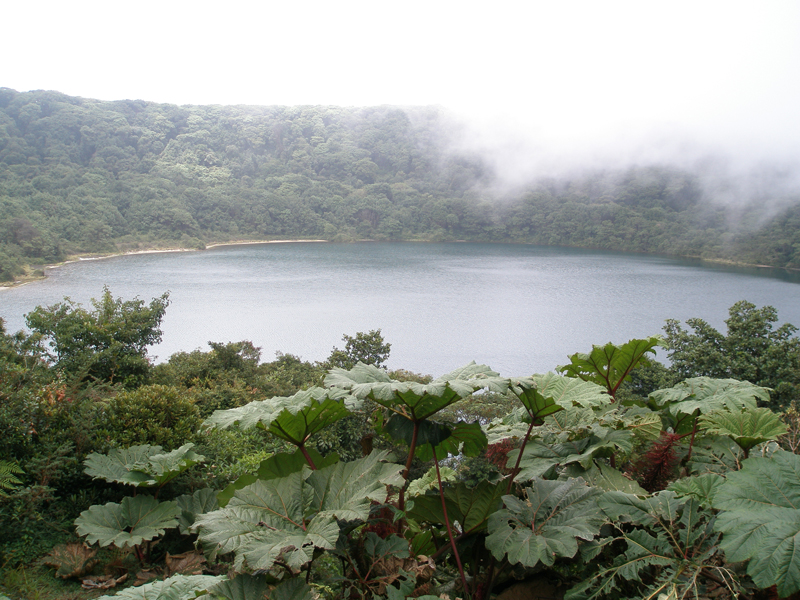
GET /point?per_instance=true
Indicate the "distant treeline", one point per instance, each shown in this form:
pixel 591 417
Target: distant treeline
pixel 85 176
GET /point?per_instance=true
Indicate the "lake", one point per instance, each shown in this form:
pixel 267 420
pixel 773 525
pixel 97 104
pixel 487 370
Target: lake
pixel 518 308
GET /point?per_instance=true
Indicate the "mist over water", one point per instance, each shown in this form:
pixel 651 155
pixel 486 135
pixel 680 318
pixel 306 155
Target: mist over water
pixel 520 309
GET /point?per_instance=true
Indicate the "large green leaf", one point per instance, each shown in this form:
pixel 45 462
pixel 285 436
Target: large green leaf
pixel 540 459
pixel 177 587
pixel 346 490
pixel 134 520
pixel 545 525
pixel 543 395
pixel 293 418
pixel 603 476
pixel 747 428
pixel 416 401
pixel 141 466
pixel 242 587
pixel 467 439
pixel 471 507
pixel 275 467
pixel 287 518
pixel 199 503
pixel 672 547
pixel 760 519
pixel 611 364
pixel 292 589
pixel 704 394
pixel 429 481
pixel 702 488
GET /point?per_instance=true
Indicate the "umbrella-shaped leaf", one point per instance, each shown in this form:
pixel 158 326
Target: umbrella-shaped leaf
pixel 414 400
pixel 608 478
pixel 293 418
pixel 544 395
pixel 242 587
pixel 466 438
pixel 134 520
pixel 471 507
pixel 704 394
pixel 274 504
pixel 702 488
pixel 294 547
pixel 275 467
pixel 611 364
pixel 747 428
pixel 177 587
pixel 142 466
pixel 347 489
pixel 292 589
pixel 288 517
pixel 71 560
pixel 540 459
pixel 760 519
pixel 192 505
pixel 650 510
pixel 377 548
pixel 546 524
pixel 429 481
pixel 401 429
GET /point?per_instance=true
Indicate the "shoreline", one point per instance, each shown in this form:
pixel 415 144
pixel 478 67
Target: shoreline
pixel 88 257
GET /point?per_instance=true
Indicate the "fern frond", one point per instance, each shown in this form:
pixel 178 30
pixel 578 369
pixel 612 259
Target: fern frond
pixel 8 479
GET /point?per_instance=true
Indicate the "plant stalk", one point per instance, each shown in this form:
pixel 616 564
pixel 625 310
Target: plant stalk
pixel 447 524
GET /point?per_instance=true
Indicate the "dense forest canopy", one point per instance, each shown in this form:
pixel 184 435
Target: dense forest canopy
pixel 88 176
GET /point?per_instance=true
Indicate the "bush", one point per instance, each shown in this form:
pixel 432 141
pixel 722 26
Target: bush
pixel 158 415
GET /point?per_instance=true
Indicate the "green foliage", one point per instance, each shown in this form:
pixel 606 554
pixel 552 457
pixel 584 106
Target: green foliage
pixel 199 503
pixel 612 364
pixel 702 395
pixel 142 466
pixel 672 547
pixel 133 521
pixel 760 519
pixel 747 428
pixel 546 524
pixel 108 343
pixel 471 507
pixel 415 401
pixel 8 476
pixel 151 414
pixel 294 419
pixel 177 587
pixel 753 350
pixel 285 519
pixel 368 348
pixel 81 175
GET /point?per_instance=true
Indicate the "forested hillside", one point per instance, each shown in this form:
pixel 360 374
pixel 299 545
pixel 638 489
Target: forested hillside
pixel 86 176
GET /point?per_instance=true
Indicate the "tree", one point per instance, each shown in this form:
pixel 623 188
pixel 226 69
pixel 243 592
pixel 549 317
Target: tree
pixel 368 348
pixel 753 350
pixel 108 343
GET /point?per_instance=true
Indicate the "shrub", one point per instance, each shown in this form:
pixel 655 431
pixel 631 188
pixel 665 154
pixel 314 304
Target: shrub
pixel 159 415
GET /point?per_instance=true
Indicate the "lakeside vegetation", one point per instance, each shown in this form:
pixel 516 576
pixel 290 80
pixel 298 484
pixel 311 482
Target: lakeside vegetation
pixel 81 176
pixel 217 471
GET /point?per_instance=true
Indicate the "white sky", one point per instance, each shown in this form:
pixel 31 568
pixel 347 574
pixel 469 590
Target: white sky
pixel 568 76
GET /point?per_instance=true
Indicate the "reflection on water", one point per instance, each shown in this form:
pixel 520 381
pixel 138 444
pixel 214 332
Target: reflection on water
pixel 520 309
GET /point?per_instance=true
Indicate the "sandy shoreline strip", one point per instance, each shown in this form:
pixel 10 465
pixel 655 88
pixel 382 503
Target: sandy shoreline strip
pixel 79 258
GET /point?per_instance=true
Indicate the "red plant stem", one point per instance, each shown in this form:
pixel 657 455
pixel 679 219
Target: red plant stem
pixel 691 441
pixel 519 456
pixel 447 523
pixel 308 457
pixel 401 503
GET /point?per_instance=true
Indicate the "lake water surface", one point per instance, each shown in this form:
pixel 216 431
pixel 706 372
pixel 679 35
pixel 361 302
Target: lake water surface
pixel 520 309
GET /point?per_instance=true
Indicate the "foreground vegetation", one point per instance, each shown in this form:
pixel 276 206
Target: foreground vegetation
pixel 84 176
pixel 216 473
